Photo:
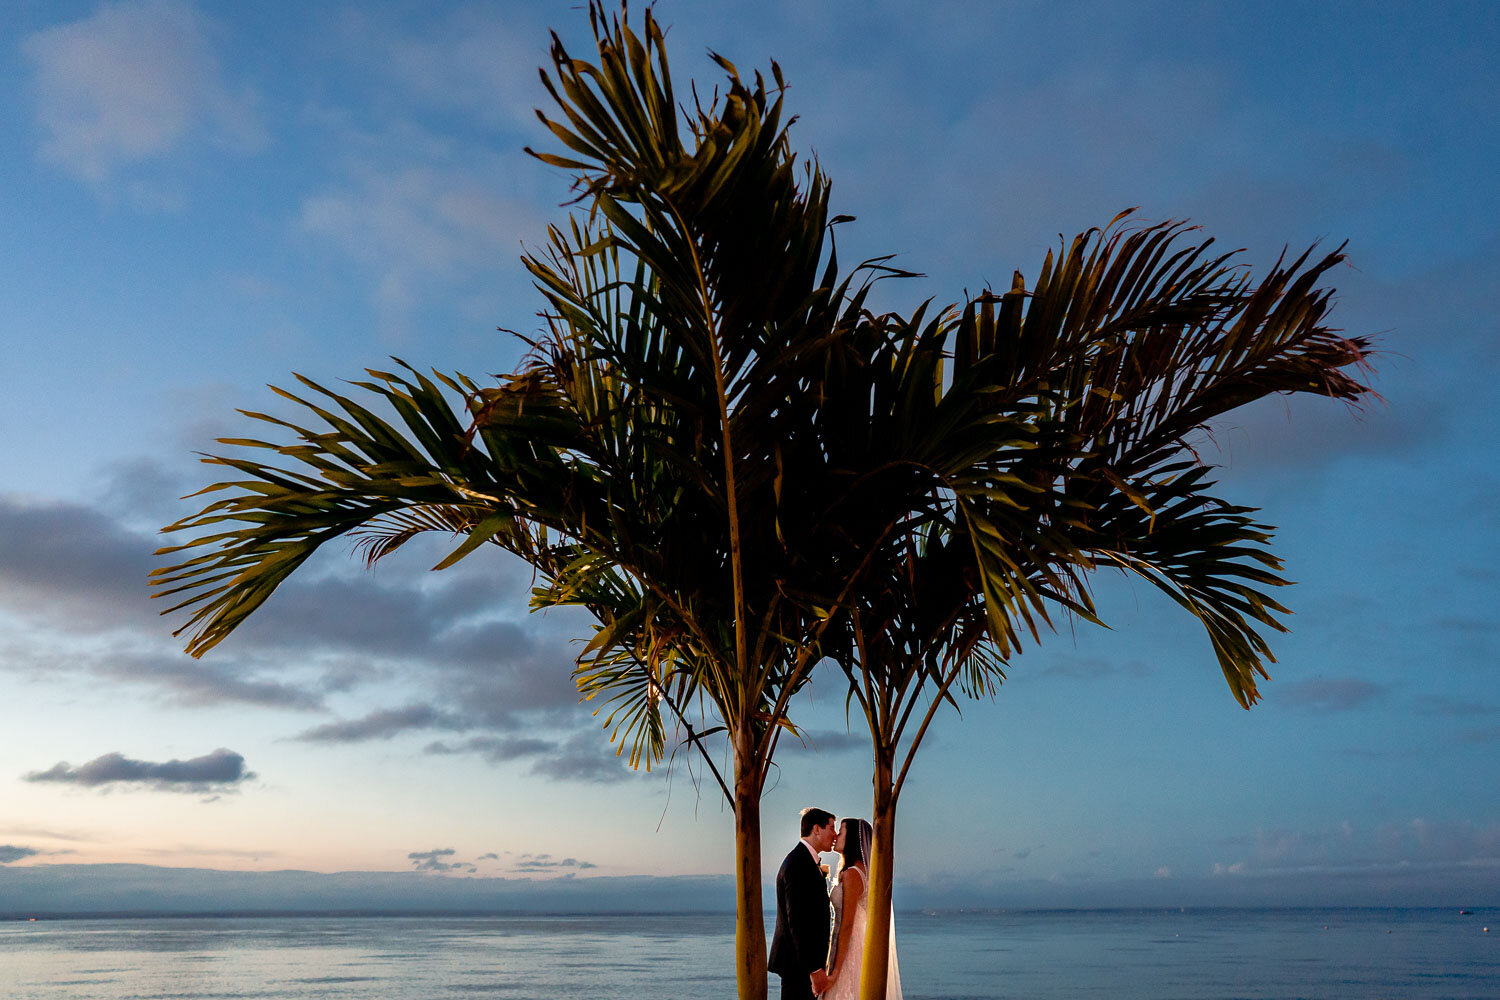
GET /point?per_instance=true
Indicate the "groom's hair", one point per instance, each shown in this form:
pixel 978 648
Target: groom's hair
pixel 813 817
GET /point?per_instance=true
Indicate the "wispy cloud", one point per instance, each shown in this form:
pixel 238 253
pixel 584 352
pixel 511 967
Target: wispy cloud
pixel 584 756
pixel 1091 668
pixel 827 741
pixel 431 861
pixel 1327 694
pixel 546 862
pixel 1466 625
pixel 10 852
pixel 46 834
pixel 1289 435
pixel 1415 844
pixel 213 772
pixel 1453 708
pixel 197 683
pixel 476 60
pixel 420 228
pixel 495 749
pixel 132 82
pixel 382 725
pixel 426 212
pixel 465 638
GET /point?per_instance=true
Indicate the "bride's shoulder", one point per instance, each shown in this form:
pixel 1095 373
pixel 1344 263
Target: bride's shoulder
pixel 852 876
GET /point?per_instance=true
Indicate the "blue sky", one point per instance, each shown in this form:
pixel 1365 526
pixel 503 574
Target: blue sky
pixel 200 199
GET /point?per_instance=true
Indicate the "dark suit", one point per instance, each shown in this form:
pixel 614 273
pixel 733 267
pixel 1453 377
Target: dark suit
pixel 800 944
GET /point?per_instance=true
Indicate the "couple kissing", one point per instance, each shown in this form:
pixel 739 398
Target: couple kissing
pixel 818 947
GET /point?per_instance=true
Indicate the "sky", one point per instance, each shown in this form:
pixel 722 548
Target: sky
pixel 200 199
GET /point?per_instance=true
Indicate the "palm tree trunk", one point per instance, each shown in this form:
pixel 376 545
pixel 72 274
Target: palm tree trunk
pixel 882 868
pixel 750 923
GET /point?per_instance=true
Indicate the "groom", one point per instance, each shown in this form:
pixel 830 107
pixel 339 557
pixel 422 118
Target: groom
pixel 800 945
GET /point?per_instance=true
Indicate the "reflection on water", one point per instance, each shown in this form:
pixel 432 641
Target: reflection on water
pixel 1122 955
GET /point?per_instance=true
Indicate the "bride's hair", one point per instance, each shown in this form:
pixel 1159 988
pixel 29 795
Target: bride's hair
pixel 853 852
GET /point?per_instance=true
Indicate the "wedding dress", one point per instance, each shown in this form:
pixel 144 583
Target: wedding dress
pixel 846 987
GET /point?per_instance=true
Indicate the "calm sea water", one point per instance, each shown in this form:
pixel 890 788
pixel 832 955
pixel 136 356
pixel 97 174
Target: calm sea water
pixel 1121 955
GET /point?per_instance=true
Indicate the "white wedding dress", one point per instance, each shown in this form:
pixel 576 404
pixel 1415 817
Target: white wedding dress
pixel 846 987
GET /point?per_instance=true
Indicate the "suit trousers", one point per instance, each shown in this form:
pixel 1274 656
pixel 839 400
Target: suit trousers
pixel 795 987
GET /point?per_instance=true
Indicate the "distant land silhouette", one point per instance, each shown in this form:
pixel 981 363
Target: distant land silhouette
pixel 119 889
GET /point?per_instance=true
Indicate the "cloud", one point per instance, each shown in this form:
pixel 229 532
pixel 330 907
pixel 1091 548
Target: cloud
pixel 1466 625
pixel 466 634
pixel 1280 436
pixel 1417 844
pixel 131 83
pixel 462 641
pixel 428 861
pixel 387 614
pixel 545 862
pixel 586 756
pixel 426 210
pixel 70 562
pixel 179 679
pixel 10 852
pixel 1327 694
pixel 472 60
pixel 1430 367
pixel 495 749
pixel 146 493
pixel 1092 668
pixel 449 639
pixel 826 741
pixel 1443 840
pixel 1451 707
pixel 420 227
pixel 381 725
pixel 197 683
pixel 32 831
pixel 217 771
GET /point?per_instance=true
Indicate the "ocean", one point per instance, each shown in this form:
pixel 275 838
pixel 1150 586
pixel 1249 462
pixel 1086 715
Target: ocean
pixel 1368 954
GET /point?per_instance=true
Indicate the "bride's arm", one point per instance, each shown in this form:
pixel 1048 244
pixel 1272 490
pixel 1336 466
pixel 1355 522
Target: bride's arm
pixel 853 884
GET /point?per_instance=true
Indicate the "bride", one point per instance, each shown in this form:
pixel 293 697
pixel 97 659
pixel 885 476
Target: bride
pixel 846 953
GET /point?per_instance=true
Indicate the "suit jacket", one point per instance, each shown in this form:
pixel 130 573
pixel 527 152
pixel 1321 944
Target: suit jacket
pixel 800 944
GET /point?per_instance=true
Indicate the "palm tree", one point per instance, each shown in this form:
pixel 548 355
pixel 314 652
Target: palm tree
pixel 1099 377
pixel 717 450
pixel 649 456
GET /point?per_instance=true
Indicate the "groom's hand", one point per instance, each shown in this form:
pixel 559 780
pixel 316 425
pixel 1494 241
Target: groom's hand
pixel 819 982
